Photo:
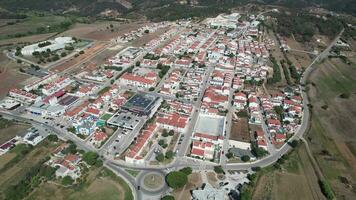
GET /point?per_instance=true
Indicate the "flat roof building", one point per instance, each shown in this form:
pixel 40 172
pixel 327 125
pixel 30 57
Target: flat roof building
pixel 141 103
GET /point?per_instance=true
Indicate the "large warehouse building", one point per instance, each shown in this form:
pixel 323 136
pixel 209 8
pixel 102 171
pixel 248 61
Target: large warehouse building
pixel 56 44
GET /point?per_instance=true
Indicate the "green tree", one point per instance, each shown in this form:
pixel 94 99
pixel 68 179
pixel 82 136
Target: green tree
pixel 165 133
pixel 53 138
pixel 171 133
pixel 176 179
pixel 90 157
pixel 245 158
pixel 160 157
pixel 161 142
pixel 169 154
pixel 67 180
pixel 168 197
pixel 229 155
pixel 186 170
pixel 219 170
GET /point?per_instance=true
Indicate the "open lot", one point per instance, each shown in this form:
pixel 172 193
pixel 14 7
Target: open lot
pixel 99 30
pixel 332 135
pixel 75 61
pixel 11 131
pixel 100 184
pixel 194 181
pixel 9 75
pixel 240 130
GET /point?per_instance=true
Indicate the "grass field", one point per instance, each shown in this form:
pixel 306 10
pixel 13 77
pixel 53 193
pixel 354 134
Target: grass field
pixel 100 184
pixel 13 173
pixel 332 135
pixel 31 24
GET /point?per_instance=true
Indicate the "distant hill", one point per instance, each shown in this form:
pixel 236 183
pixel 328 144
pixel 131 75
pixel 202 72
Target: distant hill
pixel 82 7
pixel 169 9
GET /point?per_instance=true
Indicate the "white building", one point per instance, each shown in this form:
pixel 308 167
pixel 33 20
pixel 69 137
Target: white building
pixel 56 44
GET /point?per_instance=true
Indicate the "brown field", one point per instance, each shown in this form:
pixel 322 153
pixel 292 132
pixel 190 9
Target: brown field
pixel 73 62
pixel 332 135
pixel 240 131
pixel 97 187
pixel 10 132
pixel 98 30
pixel 27 39
pixel 194 181
pixel 7 157
pixel 9 76
pixel 296 180
pixel 139 42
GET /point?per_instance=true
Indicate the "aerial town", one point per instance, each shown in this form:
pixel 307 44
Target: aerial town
pixel 193 96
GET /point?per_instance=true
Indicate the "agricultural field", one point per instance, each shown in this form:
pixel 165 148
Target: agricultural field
pixel 332 91
pixel 101 184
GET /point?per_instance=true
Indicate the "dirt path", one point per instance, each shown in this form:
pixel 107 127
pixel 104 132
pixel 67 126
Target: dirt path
pixel 313 161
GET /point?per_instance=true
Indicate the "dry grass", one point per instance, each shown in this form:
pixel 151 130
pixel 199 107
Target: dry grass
pixel 10 132
pixel 9 75
pixel 240 131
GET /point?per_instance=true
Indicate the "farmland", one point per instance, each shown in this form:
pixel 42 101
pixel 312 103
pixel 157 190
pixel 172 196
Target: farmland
pixel 332 136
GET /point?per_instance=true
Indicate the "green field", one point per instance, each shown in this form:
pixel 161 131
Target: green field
pixel 35 24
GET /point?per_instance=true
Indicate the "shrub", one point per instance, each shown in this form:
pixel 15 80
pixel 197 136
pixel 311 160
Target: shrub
pixel 67 180
pixel 53 138
pixel 325 107
pixel 344 95
pixel 229 155
pixel 293 143
pixel 326 189
pixel 219 170
pixel 245 158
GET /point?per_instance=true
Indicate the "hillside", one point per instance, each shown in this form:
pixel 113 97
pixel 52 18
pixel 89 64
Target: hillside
pixel 164 9
pixel 81 7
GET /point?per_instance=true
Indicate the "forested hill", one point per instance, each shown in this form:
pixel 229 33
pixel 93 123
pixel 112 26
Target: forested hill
pixel 168 9
pixel 82 7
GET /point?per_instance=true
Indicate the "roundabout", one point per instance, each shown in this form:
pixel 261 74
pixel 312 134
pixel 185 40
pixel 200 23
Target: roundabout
pixel 152 182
